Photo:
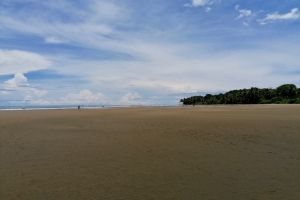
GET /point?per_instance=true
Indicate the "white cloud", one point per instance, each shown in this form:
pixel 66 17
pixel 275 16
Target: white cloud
pixel 4 92
pixel 37 92
pixel 106 10
pixel 28 97
pixel 201 2
pixel 196 3
pixel 166 72
pixel 87 97
pixel 19 80
pixel 207 9
pixel 20 84
pixel 91 21
pixel 19 87
pixel 84 96
pixel 13 62
pixel 244 13
pixel 293 15
pixel 247 15
pixel 183 89
pixel 53 40
pixel 246 24
pixel 130 98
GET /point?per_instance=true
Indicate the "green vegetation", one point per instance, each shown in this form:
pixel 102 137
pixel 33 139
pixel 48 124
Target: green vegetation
pixel 284 94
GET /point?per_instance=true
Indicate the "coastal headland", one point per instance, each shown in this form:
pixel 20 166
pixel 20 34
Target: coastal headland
pixel 201 152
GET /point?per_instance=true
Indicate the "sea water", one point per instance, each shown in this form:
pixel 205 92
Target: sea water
pixel 48 107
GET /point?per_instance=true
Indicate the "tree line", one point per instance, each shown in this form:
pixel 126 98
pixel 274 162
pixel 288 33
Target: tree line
pixel 284 94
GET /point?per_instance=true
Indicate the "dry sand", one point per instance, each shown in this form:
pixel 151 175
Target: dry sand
pixel 218 152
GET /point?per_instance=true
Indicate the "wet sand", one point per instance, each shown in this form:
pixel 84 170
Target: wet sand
pixel 217 152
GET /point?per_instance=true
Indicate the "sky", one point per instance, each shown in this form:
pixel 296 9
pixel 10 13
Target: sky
pixel 148 52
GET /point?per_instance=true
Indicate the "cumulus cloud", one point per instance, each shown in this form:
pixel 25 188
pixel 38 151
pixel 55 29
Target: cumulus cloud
pixel 196 3
pixel 130 98
pixel 20 84
pixel 18 87
pixel 87 97
pixel 84 96
pixel 14 61
pixel 19 80
pixel 293 15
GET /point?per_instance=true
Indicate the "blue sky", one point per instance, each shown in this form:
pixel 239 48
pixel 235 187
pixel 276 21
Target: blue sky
pixel 143 52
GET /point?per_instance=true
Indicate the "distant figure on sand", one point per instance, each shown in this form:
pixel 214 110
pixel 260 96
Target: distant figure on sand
pixel 78 107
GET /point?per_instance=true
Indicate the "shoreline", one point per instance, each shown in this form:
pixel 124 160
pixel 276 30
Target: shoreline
pixel 140 106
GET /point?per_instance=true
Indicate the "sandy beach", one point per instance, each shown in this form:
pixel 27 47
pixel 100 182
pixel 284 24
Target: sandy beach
pixel 205 152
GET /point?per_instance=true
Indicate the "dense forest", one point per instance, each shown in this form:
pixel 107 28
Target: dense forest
pixel 284 94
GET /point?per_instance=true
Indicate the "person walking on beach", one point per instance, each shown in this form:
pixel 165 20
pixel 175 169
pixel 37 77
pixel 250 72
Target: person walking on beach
pixel 78 107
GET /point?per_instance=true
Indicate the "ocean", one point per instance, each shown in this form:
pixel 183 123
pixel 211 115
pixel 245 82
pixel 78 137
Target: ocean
pixel 30 107
pixel 48 107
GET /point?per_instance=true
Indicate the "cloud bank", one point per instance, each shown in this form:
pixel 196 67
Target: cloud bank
pixel 84 96
pixel 15 61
